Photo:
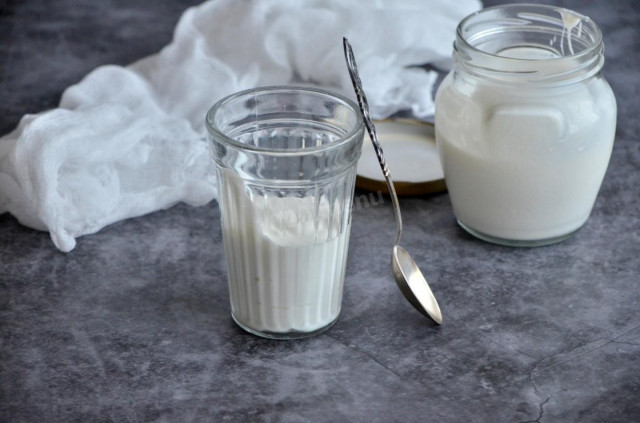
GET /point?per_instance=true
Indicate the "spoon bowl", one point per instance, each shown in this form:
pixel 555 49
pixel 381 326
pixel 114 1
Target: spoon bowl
pixel 413 284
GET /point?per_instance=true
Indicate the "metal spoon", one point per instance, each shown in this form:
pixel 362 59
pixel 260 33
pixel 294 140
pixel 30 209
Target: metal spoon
pixel 408 277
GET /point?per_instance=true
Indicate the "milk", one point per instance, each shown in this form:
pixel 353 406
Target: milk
pixel 286 259
pixel 525 162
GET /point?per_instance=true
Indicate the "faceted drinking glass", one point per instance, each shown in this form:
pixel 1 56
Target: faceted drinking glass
pixel 286 164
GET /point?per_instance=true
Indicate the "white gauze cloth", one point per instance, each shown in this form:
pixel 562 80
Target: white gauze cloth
pixel 127 141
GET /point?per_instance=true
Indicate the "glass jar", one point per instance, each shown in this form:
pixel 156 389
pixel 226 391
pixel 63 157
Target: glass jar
pixel 525 123
pixel 286 164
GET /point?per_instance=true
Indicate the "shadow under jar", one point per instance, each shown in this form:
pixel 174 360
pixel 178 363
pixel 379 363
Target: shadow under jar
pixel 525 123
pixel 286 164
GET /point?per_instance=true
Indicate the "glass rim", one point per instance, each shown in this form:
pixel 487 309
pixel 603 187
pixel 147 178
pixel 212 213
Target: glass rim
pixel 587 51
pixel 345 139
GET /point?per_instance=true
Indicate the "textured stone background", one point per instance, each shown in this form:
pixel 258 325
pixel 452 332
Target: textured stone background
pixel 134 324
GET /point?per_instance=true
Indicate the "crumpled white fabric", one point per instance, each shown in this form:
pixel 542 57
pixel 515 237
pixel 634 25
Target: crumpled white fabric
pixel 127 141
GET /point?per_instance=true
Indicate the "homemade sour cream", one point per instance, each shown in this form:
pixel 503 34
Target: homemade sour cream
pixel 286 259
pixel 525 146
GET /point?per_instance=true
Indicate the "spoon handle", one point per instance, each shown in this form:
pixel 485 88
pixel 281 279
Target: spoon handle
pixel 371 129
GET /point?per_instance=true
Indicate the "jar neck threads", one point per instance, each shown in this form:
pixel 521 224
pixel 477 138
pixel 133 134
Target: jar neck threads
pixel 528 43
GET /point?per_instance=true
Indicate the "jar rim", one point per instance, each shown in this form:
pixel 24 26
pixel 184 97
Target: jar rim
pixel 354 133
pixel 590 38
